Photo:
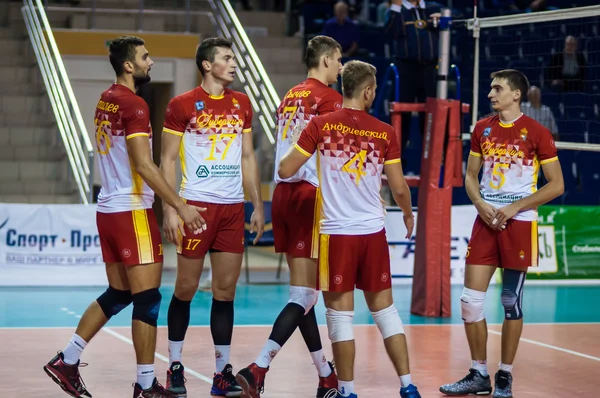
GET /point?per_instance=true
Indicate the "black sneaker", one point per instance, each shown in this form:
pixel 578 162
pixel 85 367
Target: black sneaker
pixel 473 383
pixel 176 380
pixel 224 384
pixel 503 388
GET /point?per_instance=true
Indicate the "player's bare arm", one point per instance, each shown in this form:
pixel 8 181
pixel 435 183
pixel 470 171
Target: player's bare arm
pixel 485 210
pixel 401 194
pixel 168 158
pixel 251 182
pixel 138 148
pixel 553 189
pixel 292 161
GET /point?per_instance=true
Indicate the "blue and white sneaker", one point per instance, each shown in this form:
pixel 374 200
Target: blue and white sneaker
pixel 410 392
pixel 339 394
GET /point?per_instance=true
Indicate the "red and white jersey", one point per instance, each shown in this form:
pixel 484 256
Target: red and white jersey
pixel 121 115
pixel 512 155
pixel 352 147
pixel 300 104
pixel 211 128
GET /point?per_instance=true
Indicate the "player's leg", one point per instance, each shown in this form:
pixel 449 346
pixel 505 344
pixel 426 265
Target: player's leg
pixel 374 279
pixel 512 300
pixel 226 272
pixel 482 258
pixel 141 245
pixel 64 367
pixel 226 262
pixel 295 229
pixel 191 252
pixel 339 256
pixel 519 243
pixel 340 316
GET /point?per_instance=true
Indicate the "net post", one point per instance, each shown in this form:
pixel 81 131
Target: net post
pixel 396 121
pixel 444 53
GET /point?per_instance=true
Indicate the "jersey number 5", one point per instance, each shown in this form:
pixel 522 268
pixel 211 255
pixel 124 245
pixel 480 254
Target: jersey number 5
pixel 496 172
pixel 213 141
pixel 101 135
pixel 357 166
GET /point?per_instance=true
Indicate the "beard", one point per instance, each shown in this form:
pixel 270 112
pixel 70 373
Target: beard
pixel 140 78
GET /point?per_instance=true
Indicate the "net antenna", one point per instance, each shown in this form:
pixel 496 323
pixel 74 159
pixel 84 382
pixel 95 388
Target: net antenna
pixel 529 42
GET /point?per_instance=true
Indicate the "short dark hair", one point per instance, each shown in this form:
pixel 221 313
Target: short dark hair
pixel 515 79
pixel 354 75
pixel 317 47
pixel 207 50
pixel 121 50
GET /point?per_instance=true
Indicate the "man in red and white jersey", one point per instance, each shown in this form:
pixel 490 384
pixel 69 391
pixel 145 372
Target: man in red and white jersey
pixel 353 150
pixel 510 147
pixel 129 235
pixel 210 130
pixel 295 217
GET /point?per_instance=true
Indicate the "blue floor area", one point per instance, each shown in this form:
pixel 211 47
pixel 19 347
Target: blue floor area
pixel 260 305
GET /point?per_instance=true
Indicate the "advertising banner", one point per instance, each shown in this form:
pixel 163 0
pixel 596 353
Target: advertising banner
pixel 569 243
pixel 402 251
pixel 54 244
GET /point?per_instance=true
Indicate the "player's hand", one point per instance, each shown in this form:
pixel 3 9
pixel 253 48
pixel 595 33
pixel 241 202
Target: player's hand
pixel 257 224
pixel 409 222
pixel 172 226
pixel 487 212
pixel 192 219
pixel 503 215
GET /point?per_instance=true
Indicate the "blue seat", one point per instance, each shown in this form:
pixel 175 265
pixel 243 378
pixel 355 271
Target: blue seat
pixel 267 238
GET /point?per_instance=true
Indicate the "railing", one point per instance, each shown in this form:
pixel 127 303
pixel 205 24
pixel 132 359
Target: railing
pixel 70 124
pixel 256 82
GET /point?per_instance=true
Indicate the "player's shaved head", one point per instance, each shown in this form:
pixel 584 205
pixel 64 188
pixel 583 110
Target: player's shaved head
pixel 121 50
pixel 207 50
pixel 515 79
pixel 356 75
pixel 317 47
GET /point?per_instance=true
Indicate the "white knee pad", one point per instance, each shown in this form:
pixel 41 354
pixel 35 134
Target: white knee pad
pixel 305 297
pixel 388 321
pixel 339 325
pixel 471 305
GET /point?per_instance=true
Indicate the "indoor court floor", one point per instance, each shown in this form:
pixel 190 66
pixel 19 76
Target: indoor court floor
pixel 559 355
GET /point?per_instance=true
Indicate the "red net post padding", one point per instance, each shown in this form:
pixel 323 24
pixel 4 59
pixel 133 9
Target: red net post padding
pixel 441 171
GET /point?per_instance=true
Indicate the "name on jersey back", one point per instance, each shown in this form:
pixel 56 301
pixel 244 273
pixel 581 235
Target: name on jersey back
pixel 342 128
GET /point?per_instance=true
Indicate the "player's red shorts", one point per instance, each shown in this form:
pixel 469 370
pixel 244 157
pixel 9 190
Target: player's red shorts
pixel 295 226
pixel 516 247
pixel 346 261
pixel 130 237
pixel 224 231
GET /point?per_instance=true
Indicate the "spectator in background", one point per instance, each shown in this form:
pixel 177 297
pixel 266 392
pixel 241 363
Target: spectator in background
pixel 342 29
pixel 538 111
pixel 566 71
pixel 520 5
pixel 411 27
pixel 382 10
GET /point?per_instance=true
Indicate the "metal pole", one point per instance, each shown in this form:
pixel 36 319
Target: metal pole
pixel 141 16
pixel 188 16
pixel 476 34
pixel 444 54
pixel 93 14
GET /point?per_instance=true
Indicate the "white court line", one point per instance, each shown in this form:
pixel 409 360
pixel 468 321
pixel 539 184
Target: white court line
pixel 156 354
pixel 552 347
pixel 159 356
